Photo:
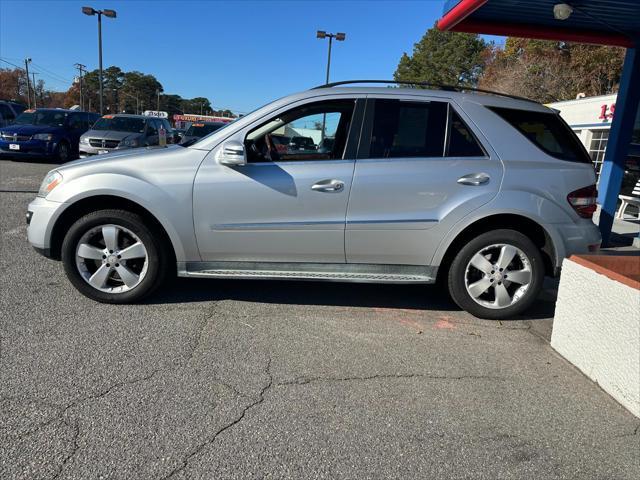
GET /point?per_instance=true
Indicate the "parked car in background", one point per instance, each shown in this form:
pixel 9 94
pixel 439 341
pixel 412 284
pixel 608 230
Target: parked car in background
pixel 123 131
pixel 45 133
pixel 198 130
pixel 485 192
pixel 9 111
pixel 302 143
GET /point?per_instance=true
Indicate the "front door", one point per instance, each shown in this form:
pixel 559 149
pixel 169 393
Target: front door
pixel 288 203
pixel 420 169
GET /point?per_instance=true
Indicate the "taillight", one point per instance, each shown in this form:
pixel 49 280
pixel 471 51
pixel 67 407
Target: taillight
pixel 583 201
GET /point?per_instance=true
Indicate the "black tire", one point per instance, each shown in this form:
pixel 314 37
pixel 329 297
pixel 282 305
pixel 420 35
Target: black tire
pixel 63 152
pixel 158 255
pixel 458 273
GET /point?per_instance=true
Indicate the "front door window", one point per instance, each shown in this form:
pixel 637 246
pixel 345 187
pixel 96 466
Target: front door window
pixel 316 131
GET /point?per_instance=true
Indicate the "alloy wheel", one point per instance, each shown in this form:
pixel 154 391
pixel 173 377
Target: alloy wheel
pixel 498 276
pixel 111 258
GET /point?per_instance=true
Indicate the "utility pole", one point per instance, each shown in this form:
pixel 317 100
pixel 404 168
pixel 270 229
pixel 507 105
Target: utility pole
pixel 158 103
pixel 26 67
pixel 81 70
pixel 35 102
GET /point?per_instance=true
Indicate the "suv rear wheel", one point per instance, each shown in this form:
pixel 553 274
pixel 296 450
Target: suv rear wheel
pixel 113 256
pixel 497 275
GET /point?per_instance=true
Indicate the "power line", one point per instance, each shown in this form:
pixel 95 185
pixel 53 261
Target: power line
pixel 51 73
pixel 5 61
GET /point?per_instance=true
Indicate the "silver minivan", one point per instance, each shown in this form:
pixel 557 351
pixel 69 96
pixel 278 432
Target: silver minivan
pixel 122 131
pixel 485 192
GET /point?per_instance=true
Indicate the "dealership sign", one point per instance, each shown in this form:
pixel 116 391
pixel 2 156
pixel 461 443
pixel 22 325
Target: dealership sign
pixel 607 111
pixel 155 113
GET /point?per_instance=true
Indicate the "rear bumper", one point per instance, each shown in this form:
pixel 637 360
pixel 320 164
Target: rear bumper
pixel 576 238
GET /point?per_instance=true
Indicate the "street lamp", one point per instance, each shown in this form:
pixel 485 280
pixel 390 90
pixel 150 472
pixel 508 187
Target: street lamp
pixel 107 13
pixel 338 36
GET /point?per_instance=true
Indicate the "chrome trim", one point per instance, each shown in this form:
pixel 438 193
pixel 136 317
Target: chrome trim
pixel 328 225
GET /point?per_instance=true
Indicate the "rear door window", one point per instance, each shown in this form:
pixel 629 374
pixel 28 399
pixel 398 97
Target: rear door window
pixel 408 129
pixel 548 131
pixel 461 141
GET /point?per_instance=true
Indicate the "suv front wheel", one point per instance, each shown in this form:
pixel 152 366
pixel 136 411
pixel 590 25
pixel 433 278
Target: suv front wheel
pixel 113 256
pixel 497 275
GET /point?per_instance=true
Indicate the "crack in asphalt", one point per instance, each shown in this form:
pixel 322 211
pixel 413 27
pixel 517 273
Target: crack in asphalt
pixel 196 450
pixel 74 450
pixel 309 380
pixel 62 414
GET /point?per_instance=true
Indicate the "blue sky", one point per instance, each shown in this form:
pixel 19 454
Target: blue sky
pixel 239 54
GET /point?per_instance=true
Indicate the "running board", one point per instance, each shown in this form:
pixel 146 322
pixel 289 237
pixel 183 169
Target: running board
pixel 340 272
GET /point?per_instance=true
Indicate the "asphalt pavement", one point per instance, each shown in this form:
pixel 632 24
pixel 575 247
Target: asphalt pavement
pixel 301 380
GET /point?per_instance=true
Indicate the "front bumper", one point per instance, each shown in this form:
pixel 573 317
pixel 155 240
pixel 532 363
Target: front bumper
pixel 86 150
pixel 28 149
pixel 41 217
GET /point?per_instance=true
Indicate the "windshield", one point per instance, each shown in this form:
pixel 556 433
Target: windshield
pixel 202 129
pixel 197 140
pixel 120 124
pixel 50 118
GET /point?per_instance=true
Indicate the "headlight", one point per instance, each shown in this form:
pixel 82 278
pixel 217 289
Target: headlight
pixel 52 180
pixel 84 140
pixel 129 142
pixel 43 136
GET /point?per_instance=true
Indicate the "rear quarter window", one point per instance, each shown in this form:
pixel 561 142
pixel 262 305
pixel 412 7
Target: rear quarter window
pixel 548 131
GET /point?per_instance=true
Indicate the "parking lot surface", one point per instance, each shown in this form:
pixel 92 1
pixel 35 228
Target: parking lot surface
pixel 246 379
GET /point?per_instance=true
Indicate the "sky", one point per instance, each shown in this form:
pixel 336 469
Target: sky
pixel 239 54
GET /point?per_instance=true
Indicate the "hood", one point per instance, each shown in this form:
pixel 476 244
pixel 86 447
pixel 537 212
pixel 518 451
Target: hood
pixel 30 129
pixel 133 153
pixel 109 134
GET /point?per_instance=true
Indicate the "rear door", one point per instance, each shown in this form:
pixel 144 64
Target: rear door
pixel 422 165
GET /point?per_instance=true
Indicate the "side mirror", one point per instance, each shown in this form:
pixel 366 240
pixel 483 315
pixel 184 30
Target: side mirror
pixel 232 154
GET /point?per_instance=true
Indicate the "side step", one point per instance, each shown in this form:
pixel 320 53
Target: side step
pixel 364 273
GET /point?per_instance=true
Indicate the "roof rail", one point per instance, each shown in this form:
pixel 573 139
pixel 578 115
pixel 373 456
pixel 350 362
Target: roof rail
pixel 447 88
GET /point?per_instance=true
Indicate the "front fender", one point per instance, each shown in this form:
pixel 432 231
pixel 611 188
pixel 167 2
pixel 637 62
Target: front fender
pixel 171 206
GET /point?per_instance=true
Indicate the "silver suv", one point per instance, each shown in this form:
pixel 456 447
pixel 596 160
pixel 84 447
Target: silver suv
pixel 122 131
pixel 487 193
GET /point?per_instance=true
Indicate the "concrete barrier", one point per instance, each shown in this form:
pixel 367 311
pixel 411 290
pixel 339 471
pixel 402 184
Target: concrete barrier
pixel 597 322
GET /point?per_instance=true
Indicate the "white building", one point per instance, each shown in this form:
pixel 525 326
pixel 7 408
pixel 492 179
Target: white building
pixel 590 118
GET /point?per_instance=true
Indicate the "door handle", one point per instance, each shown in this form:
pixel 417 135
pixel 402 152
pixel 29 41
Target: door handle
pixel 328 186
pixel 474 179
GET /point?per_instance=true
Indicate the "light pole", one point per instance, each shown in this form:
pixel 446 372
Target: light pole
pixel 108 13
pixel 158 102
pixel 27 61
pixel 338 36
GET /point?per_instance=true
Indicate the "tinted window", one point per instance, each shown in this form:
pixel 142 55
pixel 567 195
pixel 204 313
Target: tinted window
pixel 408 129
pixel 202 129
pixel 152 128
pixel 78 121
pixel 547 131
pixel 6 112
pixel 50 118
pixel 462 143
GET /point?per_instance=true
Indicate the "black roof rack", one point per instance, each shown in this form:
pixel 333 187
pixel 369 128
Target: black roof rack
pixel 435 86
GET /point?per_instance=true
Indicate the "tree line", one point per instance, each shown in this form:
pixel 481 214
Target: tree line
pixel 545 71
pixel 128 92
